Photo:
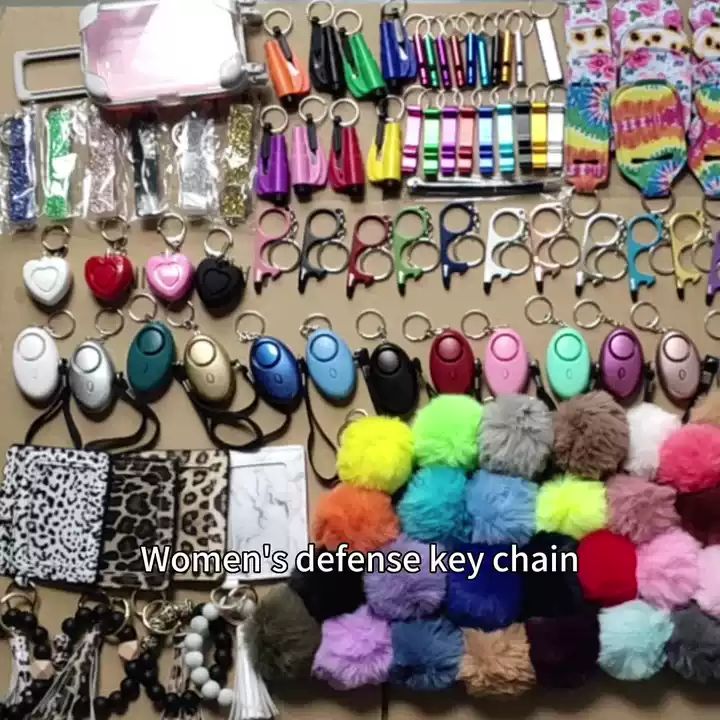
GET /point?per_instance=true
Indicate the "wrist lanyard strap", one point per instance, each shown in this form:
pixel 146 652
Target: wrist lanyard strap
pixel 60 163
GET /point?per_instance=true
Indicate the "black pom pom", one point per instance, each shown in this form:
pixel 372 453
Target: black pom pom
pixel 218 674
pixel 84 617
pixel 42 652
pixel 127 633
pixel 12 617
pixel 40 636
pixel 81 709
pixel 133 669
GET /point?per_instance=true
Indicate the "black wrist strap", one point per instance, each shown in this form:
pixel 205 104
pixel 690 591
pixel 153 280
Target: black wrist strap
pixel 542 394
pixel 708 372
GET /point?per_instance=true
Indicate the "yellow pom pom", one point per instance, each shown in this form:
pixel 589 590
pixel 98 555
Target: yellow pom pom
pixel 376 453
pixel 572 506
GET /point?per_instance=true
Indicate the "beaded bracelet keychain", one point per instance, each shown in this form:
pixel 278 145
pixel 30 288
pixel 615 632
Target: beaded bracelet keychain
pixel 103 153
pixel 236 195
pixel 59 162
pixel 17 137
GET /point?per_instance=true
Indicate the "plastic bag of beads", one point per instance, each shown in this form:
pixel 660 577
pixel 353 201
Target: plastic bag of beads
pixel 104 183
pixel 18 171
pixel 195 142
pixel 237 164
pixel 62 140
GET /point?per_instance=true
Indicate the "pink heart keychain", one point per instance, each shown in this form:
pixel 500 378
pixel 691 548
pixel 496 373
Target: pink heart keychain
pixel 170 275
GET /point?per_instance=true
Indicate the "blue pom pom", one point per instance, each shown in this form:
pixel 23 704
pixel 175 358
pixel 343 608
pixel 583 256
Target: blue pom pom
pixel 501 508
pixel 433 506
pixel 426 654
pixel 633 637
pixel 490 601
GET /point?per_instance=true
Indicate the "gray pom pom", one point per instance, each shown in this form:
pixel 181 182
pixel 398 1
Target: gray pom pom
pixel 694 648
pixel 517 436
pixel 282 636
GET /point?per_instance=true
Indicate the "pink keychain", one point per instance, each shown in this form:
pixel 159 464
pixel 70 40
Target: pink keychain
pixel 413 130
pixel 170 275
pixel 308 162
pixel 265 243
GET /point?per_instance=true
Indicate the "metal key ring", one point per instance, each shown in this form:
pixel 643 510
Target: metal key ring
pixel 429 331
pixel 114 239
pixel 555 209
pixel 560 237
pixel 599 318
pixel 490 17
pixel 59 335
pixel 227 245
pixel 474 238
pixel 309 325
pixel 246 336
pixel 333 269
pixel 375 250
pixel 495 93
pixel 581 215
pixel 538 16
pixel 352 13
pixel 598 252
pixel 706 207
pixel 108 312
pixel 186 324
pixel 148 316
pixel 310 99
pixel 476 97
pixel 354 414
pixel 450 20
pixel 440 98
pixel 173 241
pixel 409 91
pixel 64 233
pixel 664 210
pixel 345 101
pixel 475 336
pixel 548 318
pixel 414 16
pixel 381 331
pixel 653 325
pixel 383 106
pixel 663 271
pixel 464 17
pixel 707 322
pixel 277 109
pixel 411 249
pixel 500 250
pixel 706 242
pixel 269 250
pixel 277 11
pixel 322 3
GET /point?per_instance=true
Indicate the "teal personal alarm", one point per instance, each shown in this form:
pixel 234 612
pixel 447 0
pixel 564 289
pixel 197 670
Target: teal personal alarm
pixel 150 360
pixel 569 364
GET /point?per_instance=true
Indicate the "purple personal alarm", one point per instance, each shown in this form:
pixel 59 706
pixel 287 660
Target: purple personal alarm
pixel 507 363
pixel 621 365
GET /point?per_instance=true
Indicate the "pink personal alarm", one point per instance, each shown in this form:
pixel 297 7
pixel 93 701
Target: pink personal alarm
pixel 170 275
pixel 507 363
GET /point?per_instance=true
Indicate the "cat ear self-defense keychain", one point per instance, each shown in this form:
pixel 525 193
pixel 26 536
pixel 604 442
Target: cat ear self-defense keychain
pixel 308 161
pixel 267 242
pixel 397 51
pixel 111 276
pixel 326 59
pixel 170 275
pixel 384 164
pixel 48 280
pixel 289 78
pixel 272 181
pixel 219 282
pixel 346 167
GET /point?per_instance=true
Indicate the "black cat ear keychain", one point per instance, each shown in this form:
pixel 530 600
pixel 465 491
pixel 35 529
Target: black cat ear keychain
pixel 219 282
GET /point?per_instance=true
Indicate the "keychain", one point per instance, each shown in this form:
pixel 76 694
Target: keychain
pixel 59 162
pixel 346 169
pixel 170 275
pixel 263 265
pixel 464 24
pixel 485 134
pixel 421 54
pixel 404 246
pixel 484 42
pixel 548 43
pixel 49 279
pixel 290 80
pixel 522 130
pixel 679 246
pixel 362 74
pixel 441 52
pixel 194 141
pixel 637 277
pixel 219 282
pixel 519 36
pixel 621 368
pixel 466 139
pixel 449 239
pixel 555 131
pixel 539 238
pixel 17 134
pixel 432 121
pixel 457 66
pixel 361 251
pixel 449 132
pixel 384 164
pixel 111 276
pixel 592 252
pixel 326 60
pixel 152 353
pixel 504 131
pixel 311 240
pixel 497 244
pixel 272 181
pixel 145 154
pixel 539 130
pixel 308 162
pixel 413 134
pixel 504 51
pixel 397 52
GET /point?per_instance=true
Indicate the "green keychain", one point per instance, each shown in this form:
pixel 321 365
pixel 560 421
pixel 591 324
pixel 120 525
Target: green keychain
pixel 59 162
pixel 362 73
pixel 432 119
pixel 402 246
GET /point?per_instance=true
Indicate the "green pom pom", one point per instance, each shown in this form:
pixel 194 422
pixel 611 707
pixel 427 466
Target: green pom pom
pixel 447 431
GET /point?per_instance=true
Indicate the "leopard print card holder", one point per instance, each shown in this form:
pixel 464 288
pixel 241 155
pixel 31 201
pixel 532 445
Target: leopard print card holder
pixel 140 512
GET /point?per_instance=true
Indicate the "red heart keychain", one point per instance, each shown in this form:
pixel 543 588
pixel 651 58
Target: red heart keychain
pixel 111 276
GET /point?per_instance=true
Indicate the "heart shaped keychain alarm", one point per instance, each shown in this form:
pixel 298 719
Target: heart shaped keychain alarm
pixel 170 275
pixel 111 276
pixel 219 282
pixel 48 279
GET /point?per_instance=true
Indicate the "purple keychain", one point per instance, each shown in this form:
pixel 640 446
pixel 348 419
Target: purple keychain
pixel 449 136
pixel 713 272
pixel 272 182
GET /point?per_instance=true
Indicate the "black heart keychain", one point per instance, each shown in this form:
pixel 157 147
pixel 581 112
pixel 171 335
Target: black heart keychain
pixel 219 282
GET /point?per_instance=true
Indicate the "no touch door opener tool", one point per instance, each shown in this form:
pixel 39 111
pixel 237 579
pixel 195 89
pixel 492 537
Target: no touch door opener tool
pixel 497 244
pixel 449 239
pixel 403 246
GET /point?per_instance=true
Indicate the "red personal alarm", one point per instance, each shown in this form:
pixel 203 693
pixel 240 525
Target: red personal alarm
pixel 452 364
pixel 111 276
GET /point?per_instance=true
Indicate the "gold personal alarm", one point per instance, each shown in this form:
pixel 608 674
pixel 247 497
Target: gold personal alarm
pixel 209 370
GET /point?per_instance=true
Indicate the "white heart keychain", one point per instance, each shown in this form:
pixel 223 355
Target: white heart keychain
pixel 48 279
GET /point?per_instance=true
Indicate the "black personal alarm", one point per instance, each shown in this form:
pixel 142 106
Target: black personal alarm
pixel 392 380
pixel 219 282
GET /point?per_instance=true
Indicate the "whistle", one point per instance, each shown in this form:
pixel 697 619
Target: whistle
pixel 483 60
pixel 471 60
pixel 422 62
pixel 308 164
pixel 431 61
pixel 272 182
pixel 519 48
pixel 443 62
pixel 346 170
pixel 506 58
pixel 457 63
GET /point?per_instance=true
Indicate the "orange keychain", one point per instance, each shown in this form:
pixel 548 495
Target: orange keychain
pixel 290 80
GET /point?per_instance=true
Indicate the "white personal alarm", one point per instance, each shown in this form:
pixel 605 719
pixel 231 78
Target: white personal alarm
pixel 48 279
pixel 91 376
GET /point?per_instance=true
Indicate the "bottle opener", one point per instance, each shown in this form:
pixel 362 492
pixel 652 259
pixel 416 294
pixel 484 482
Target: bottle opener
pixel 272 181
pixel 486 135
pixel 432 121
pixel 219 282
pixel 111 276
pixel 450 266
pixel 637 277
pixel 522 133
pixel 362 74
pixel 335 237
pixel 170 275
pixel 49 279
pixel 555 135
pixel 326 60
pixel 539 134
pixel 263 267
pixel 308 162
pixel 449 137
pixel 346 169
pixel 384 165
pixel 397 52
pixel 505 135
pixel 413 132
pixel 466 141
pixel 361 250
pixel 289 79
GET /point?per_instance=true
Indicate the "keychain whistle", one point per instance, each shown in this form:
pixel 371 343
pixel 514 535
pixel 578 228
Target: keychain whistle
pixel 458 70
pixel 449 140
pixel 289 79
pixel 431 62
pixel 519 51
pixel 506 58
pixel 471 60
pixel 443 61
pixel 422 62
pixel 431 141
pixel 466 140
pixel 483 60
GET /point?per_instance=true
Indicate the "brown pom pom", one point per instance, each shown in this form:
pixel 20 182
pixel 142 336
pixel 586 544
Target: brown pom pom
pixel 591 435
pixel 700 514
pixel 707 412
pixel 282 636
pixel 497 663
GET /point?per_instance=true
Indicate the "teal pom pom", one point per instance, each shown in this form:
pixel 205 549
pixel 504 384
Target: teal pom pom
pixel 433 506
pixel 632 640
pixel 447 431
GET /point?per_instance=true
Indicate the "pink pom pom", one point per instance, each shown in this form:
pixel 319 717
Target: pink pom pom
pixel 708 596
pixel 668 570
pixel 640 509
pixel 690 459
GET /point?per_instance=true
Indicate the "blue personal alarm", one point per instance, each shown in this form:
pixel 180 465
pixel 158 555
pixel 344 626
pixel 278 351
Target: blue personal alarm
pixel 331 366
pixel 276 373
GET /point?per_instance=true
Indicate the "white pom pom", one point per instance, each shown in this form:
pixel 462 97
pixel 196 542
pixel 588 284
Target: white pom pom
pixel 199 676
pixel 194 659
pixel 225 697
pixel 650 426
pixel 193 641
pixel 210 690
pixel 210 612
pixel 199 624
